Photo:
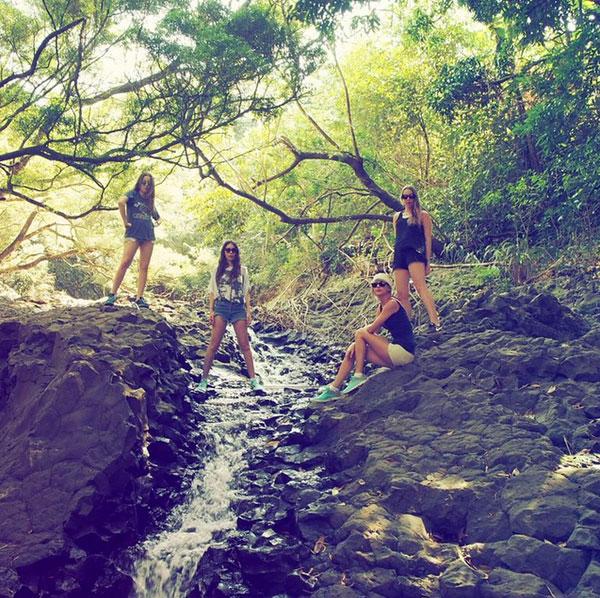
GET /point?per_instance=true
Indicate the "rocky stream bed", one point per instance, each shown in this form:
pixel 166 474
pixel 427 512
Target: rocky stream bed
pixel 473 472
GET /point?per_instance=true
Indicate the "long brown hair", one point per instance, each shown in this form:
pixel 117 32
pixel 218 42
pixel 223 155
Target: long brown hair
pixel 150 199
pixel 414 215
pixel 223 263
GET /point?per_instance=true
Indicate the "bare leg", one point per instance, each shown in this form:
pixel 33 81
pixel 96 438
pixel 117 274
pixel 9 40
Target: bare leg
pixel 241 332
pixel 345 367
pixel 371 348
pixel 218 330
pixel 129 250
pixel 401 278
pixel 145 255
pixel 417 273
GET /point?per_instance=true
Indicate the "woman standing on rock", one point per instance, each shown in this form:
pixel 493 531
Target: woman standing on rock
pixel 370 347
pixel 412 253
pixel 137 210
pixel 229 301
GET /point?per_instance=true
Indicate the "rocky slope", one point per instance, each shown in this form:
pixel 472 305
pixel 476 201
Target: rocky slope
pixel 471 473
pixel 96 436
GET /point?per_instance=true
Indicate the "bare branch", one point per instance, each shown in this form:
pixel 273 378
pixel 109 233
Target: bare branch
pixel 283 216
pixel 44 258
pixel 348 106
pixel 97 207
pixel 131 85
pixel 355 162
pixel 38 53
pixel 316 125
pixel 16 242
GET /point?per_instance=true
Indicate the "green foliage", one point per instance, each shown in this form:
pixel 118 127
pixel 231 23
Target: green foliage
pixel 464 83
pixel 74 279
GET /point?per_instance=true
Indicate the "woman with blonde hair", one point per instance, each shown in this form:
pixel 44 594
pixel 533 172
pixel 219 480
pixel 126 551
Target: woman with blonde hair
pixel 371 347
pixel 137 211
pixel 412 253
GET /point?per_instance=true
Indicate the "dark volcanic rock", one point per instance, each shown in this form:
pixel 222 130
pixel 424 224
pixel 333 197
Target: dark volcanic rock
pixel 470 472
pixel 79 391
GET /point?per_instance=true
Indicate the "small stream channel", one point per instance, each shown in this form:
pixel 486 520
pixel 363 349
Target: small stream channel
pixel 238 425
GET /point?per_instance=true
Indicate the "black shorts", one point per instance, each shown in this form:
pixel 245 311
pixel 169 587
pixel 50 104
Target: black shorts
pixel 404 257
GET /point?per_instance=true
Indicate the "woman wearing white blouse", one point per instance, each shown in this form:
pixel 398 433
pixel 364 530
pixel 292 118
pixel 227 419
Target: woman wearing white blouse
pixel 229 302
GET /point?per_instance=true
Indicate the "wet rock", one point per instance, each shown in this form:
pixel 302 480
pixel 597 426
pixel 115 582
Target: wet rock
pixel 162 451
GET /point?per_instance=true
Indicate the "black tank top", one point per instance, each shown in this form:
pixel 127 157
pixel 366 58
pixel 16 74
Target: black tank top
pixel 399 327
pixel 409 235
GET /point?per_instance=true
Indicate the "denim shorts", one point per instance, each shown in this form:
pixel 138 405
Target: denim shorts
pixel 230 311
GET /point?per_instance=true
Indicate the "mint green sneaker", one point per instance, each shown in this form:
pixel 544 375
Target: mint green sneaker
pixel 355 381
pixel 327 394
pixel 112 298
pixel 202 386
pixel 142 303
pixel 256 384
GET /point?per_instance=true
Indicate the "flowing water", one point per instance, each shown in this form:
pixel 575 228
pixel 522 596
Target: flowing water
pixel 169 560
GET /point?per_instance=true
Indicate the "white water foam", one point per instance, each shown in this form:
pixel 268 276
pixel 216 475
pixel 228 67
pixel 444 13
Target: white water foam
pixel 171 558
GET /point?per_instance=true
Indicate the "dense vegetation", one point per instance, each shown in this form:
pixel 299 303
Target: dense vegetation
pixel 292 127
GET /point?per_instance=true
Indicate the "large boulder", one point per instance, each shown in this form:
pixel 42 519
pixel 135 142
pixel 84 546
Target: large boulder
pixel 80 399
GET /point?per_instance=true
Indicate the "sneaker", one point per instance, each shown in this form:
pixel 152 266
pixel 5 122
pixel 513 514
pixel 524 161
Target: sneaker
pixel 256 384
pixel 142 303
pixel 202 386
pixel 327 393
pixel 355 381
pixel 435 327
pixel 112 298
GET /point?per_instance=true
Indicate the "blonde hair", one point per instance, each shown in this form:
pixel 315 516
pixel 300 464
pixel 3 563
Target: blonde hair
pixel 414 216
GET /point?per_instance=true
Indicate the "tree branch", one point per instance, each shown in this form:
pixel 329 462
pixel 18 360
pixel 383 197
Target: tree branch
pixel 355 162
pixel 97 207
pixel 318 127
pixel 283 216
pixel 38 53
pixel 43 258
pixel 131 85
pixel 348 106
pixel 14 245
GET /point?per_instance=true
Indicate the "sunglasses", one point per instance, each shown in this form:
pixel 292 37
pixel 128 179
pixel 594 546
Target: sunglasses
pixel 379 284
pixel 231 250
pixel 408 196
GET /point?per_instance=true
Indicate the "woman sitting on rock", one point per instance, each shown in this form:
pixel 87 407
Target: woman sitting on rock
pixel 412 253
pixel 229 301
pixel 137 211
pixel 370 347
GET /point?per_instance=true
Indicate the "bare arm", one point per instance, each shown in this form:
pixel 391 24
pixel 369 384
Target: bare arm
pixel 123 211
pixel 391 307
